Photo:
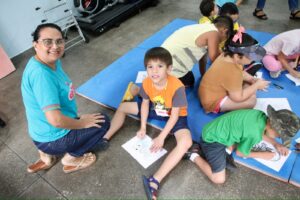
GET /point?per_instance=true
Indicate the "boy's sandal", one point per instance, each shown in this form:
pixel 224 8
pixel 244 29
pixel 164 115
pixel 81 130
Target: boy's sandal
pixel 295 15
pixel 261 16
pixel 87 160
pixel 40 165
pixel 151 192
pixel 230 164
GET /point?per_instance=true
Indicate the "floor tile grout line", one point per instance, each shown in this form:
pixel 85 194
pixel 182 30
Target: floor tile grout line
pixel 39 175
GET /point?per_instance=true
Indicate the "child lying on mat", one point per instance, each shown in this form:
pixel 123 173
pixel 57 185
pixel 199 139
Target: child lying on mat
pixel 225 86
pixel 243 129
pixel 283 53
pixel 163 98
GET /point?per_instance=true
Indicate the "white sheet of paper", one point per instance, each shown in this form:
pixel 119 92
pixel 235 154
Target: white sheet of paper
pixel 259 75
pixel 275 165
pixel 276 103
pixel 141 76
pixel 139 149
pixel 295 80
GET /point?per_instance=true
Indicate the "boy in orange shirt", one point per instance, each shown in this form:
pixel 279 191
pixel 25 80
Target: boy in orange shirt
pixel 163 98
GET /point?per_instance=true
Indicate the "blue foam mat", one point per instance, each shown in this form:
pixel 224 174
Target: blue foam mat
pixel 295 175
pixel 108 86
pixel 283 174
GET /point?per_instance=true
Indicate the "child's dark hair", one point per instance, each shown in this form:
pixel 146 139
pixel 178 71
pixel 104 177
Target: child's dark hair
pixel 247 41
pixel 229 9
pixel 158 53
pixel 36 32
pixel 206 7
pixel 226 22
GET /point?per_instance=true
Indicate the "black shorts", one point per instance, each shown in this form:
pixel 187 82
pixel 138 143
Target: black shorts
pixel 180 124
pixel 188 80
pixel 215 155
pixel 253 67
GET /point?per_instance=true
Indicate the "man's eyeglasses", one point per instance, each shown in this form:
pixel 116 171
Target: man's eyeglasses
pixel 49 42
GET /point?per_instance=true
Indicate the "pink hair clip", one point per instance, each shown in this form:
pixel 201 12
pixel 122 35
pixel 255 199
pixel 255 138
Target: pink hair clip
pixel 239 35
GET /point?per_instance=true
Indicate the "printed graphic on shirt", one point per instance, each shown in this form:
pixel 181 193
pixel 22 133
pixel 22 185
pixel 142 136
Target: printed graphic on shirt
pixel 71 94
pixel 160 108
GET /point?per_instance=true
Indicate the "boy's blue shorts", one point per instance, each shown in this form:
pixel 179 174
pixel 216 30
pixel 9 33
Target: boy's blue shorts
pixel 180 124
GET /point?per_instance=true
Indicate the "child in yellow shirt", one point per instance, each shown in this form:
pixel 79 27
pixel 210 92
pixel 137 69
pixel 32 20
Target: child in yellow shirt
pixel 209 10
pixel 231 10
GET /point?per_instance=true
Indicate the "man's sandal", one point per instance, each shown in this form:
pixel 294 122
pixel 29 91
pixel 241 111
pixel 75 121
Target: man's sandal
pixel 40 165
pixel 87 160
pixel 151 192
pixel 295 15
pixel 259 13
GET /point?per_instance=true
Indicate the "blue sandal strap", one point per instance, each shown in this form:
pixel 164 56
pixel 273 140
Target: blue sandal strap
pixel 150 191
pixel 153 180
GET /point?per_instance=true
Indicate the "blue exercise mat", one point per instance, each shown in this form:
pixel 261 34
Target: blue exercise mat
pixel 108 86
pixel 295 175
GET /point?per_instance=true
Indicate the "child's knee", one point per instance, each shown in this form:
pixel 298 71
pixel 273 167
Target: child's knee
pixel 125 107
pixel 271 63
pixel 252 101
pixel 218 179
pixel 185 142
pixel 121 107
pixel 188 143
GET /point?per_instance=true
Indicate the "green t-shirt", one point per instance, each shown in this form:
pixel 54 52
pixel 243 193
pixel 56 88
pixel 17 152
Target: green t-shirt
pixel 241 127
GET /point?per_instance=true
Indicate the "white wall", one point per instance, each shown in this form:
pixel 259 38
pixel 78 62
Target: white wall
pixel 18 19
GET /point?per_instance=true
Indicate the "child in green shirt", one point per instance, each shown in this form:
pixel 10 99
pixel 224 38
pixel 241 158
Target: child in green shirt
pixel 242 130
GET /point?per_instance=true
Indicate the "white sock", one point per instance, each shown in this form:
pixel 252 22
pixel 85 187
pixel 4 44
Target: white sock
pixel 193 156
pixel 228 151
